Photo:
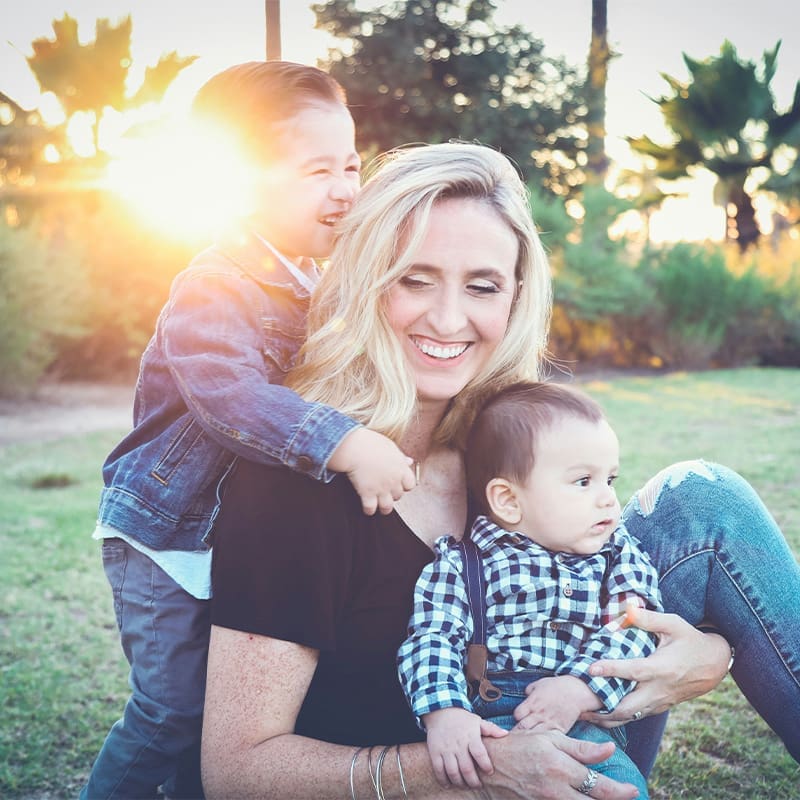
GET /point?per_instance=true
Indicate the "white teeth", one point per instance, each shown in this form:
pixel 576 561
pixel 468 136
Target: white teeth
pixel 440 352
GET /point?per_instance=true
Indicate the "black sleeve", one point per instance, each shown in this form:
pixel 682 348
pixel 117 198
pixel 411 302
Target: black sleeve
pixel 282 555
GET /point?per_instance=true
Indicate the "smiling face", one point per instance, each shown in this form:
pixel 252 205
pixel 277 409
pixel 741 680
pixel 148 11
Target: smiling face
pixel 568 503
pixel 311 183
pixel 451 308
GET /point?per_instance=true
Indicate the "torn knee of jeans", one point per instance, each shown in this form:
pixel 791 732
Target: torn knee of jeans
pixel 672 476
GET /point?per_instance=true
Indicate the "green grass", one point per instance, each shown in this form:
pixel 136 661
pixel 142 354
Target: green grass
pixel 63 677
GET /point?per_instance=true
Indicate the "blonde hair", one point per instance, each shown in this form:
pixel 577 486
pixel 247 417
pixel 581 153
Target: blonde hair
pixel 352 359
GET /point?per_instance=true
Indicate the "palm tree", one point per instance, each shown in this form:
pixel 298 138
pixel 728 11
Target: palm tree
pixel 724 119
pixel 599 56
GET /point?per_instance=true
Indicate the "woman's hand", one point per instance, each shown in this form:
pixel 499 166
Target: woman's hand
pixel 529 765
pixel 686 664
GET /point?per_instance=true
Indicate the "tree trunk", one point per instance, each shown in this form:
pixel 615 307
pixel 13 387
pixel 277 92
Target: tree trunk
pixel 597 162
pixel 272 12
pixel 743 220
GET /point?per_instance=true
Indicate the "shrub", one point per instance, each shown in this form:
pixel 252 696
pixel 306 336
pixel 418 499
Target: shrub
pixel 42 302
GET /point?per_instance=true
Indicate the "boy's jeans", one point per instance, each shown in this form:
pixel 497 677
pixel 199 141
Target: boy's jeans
pixel 723 562
pixel 618 766
pixel 164 633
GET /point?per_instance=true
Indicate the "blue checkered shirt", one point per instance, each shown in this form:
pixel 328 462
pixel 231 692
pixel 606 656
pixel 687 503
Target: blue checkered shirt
pixel 552 611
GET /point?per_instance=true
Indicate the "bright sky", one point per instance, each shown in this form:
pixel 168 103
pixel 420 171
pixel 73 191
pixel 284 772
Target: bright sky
pixel 649 35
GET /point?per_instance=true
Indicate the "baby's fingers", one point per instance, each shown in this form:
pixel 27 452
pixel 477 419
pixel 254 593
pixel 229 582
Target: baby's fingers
pixel 492 729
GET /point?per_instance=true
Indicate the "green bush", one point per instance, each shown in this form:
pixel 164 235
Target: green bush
pixel 42 303
pixel 701 314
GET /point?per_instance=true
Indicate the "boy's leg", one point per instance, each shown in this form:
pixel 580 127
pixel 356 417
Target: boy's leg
pixel 618 766
pixel 164 633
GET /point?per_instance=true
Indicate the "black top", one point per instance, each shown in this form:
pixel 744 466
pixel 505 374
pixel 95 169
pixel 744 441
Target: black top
pixel 298 560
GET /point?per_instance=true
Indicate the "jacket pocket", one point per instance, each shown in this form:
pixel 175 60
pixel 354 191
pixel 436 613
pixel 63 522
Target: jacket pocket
pixel 281 345
pixel 177 452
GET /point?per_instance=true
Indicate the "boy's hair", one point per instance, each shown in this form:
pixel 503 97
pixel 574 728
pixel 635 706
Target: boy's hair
pixel 253 101
pixel 502 441
pixel 352 360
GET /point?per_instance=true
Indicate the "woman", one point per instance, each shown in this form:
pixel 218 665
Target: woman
pixel 438 295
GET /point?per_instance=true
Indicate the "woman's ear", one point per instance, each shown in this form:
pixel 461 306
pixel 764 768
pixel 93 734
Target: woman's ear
pixel 501 495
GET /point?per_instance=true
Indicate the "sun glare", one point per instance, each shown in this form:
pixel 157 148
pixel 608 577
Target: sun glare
pixel 186 182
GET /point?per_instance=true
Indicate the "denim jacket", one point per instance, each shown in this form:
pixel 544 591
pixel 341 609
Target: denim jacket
pixel 209 391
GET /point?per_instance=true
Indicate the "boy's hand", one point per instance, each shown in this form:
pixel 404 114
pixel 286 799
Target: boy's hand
pixel 455 746
pixel 379 471
pixel 555 703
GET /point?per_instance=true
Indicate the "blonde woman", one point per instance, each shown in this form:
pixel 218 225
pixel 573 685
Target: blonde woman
pixel 438 295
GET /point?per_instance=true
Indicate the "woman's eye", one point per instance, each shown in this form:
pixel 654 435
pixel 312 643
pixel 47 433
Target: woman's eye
pixel 483 288
pixel 414 282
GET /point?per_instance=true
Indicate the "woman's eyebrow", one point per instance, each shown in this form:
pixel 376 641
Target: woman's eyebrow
pixel 490 273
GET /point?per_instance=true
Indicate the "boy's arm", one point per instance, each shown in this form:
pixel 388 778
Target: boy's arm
pixel 214 342
pixel 213 338
pixel 430 662
pixel 631 579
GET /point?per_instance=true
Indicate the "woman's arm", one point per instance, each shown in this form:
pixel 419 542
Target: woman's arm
pixel 686 664
pixel 255 688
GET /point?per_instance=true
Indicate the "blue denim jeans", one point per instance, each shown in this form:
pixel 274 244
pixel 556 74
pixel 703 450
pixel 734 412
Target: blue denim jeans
pixel 618 766
pixel 723 562
pixel 164 633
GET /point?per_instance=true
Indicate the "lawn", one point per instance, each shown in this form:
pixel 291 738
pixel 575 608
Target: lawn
pixel 63 677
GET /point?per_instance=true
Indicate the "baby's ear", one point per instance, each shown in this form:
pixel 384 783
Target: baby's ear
pixel 501 495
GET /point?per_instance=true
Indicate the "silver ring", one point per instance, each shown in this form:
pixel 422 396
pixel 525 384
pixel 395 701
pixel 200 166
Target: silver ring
pixel 588 782
pixel 636 715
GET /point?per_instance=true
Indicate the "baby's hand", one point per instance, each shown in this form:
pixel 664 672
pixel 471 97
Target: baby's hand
pixel 455 746
pixel 554 703
pixel 379 471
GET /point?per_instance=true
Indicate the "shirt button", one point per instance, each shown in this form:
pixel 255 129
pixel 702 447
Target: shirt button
pixel 554 626
pixel 567 590
pixel 304 463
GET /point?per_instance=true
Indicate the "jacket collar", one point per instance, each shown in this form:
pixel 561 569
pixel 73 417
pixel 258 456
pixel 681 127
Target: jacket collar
pixel 258 261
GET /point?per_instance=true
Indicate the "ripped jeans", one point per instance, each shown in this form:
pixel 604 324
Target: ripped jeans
pixel 722 561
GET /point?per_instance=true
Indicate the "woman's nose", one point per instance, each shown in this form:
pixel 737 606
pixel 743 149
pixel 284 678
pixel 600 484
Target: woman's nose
pixel 447 314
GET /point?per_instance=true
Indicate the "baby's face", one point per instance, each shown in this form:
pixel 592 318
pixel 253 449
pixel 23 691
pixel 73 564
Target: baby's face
pixel 569 503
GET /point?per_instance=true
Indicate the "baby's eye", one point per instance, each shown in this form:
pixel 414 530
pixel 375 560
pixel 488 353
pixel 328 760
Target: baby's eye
pixel 612 479
pixel 354 168
pixel 584 481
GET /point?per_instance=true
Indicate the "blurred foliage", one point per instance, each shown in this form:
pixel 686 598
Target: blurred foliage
pixel 93 76
pixel 434 70
pixel 42 303
pixel 724 119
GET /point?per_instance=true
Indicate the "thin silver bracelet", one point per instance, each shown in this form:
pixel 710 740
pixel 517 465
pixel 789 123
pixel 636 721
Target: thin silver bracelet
pixel 400 773
pixel 371 776
pixel 378 774
pixel 352 773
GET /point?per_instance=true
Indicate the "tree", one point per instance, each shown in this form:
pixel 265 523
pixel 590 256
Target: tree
pixel 91 77
pixel 724 119
pixel 433 70
pixel 599 56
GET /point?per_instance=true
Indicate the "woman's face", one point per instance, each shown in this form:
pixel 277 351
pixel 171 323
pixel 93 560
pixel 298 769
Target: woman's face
pixel 451 308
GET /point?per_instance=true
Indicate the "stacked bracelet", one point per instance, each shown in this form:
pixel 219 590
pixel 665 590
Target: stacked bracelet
pixel 376 778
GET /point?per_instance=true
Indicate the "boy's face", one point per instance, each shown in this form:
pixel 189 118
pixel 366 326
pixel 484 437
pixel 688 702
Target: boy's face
pixel 568 503
pixel 311 183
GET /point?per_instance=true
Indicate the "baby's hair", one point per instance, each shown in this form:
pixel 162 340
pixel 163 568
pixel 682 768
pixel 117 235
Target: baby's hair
pixel 502 440
pixel 254 100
